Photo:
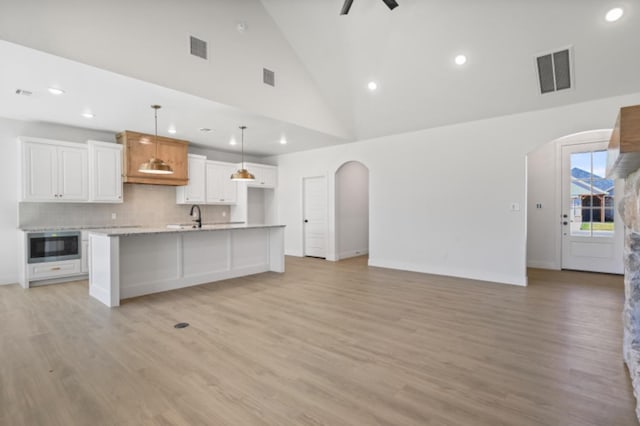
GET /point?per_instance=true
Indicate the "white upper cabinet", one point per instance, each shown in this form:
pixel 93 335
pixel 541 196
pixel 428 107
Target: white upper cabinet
pixel 194 192
pixel 54 171
pixel 105 172
pixel 266 176
pixel 39 172
pixel 220 189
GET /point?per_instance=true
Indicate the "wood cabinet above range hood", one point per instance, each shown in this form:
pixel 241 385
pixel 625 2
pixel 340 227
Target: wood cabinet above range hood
pixel 140 147
pixel 623 153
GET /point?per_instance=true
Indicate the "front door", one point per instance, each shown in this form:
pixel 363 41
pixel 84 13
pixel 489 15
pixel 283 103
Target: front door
pixel 315 216
pixel 592 232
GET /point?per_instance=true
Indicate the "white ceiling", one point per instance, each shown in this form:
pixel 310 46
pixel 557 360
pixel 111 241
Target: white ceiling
pixel 409 51
pixel 123 103
pixel 321 58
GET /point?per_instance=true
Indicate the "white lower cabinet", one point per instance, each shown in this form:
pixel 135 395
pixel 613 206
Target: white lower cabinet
pixel 46 270
pixel 84 253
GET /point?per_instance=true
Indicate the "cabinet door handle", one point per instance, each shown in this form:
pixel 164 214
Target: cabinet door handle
pixel 57 268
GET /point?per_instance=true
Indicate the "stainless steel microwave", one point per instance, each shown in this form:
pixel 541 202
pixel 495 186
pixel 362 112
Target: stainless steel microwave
pixel 53 246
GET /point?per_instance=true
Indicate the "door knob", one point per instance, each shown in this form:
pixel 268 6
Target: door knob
pixel 306 221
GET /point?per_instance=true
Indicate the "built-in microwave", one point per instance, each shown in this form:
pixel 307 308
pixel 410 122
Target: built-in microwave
pixel 53 246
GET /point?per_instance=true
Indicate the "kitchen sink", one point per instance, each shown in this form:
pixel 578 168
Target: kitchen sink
pixel 181 226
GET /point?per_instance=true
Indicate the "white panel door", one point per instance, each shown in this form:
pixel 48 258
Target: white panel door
pixel 73 174
pixel 315 216
pixel 592 232
pixel 40 172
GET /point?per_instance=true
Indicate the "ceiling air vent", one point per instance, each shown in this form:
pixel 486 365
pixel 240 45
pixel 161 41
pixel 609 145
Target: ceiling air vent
pixel 23 92
pixel 268 77
pixel 554 71
pixel 198 47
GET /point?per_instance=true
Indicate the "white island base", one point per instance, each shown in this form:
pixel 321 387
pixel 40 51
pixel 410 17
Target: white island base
pixel 135 262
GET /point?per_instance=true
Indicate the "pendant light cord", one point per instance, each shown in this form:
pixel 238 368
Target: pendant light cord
pixel 242 144
pixel 155 108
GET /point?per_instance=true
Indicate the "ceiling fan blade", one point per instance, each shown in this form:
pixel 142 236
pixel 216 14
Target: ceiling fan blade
pixel 391 4
pixel 346 6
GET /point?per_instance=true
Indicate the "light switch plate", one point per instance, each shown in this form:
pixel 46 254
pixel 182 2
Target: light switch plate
pixel 515 207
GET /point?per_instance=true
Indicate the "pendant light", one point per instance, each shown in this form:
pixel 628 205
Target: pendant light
pixel 242 173
pixel 155 166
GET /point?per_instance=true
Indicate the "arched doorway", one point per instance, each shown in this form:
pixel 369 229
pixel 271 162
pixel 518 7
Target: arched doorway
pixel 571 223
pixel 351 210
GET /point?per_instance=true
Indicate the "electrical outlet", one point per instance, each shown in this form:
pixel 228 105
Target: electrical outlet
pixel 114 216
pixel 515 207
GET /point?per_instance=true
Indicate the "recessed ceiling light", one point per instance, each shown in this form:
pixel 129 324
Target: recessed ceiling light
pixel 460 60
pixel 56 91
pixel 614 14
pixel 372 85
pixel 283 140
pixel 88 115
pixel 172 130
pixel 205 129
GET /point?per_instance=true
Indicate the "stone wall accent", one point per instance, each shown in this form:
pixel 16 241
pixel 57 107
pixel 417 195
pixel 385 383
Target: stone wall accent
pixel 629 209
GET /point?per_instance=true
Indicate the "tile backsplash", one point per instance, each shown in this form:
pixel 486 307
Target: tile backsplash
pixel 144 205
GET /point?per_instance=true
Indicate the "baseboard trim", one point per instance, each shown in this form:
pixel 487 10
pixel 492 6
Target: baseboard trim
pixel 470 275
pixel 352 253
pixel 543 264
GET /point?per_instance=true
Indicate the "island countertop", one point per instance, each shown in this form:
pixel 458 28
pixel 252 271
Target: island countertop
pixel 120 232
pixel 132 262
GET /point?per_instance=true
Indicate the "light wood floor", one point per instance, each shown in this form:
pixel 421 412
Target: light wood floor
pixel 325 343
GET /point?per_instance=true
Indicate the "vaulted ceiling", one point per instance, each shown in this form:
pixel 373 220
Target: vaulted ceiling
pixel 410 53
pixel 323 63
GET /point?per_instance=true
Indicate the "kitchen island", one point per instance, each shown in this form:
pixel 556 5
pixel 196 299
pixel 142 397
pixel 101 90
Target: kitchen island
pixel 132 262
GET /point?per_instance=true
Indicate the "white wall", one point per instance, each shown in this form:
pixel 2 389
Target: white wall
pixel 149 40
pixel 255 205
pixel 543 174
pixel 229 157
pixel 440 198
pixel 352 210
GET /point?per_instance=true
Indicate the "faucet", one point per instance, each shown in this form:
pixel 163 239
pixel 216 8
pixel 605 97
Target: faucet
pixel 198 221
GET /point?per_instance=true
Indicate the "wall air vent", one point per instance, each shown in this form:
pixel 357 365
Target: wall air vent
pixel 198 47
pixel 554 71
pixel 268 77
